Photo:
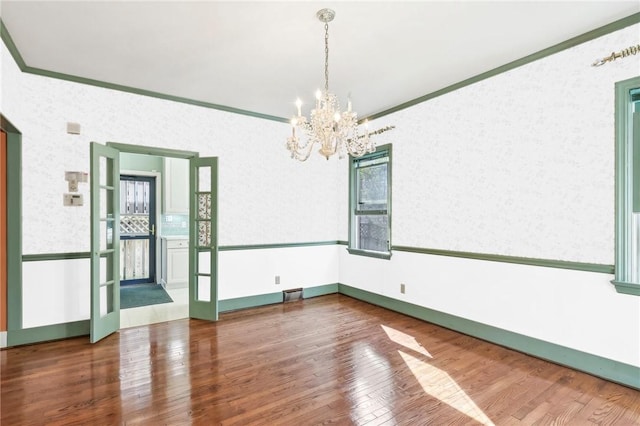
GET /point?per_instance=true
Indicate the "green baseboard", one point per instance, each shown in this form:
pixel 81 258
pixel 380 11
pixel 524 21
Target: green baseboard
pixel 611 370
pixel 47 332
pixel 605 368
pixel 249 302
pixel 320 290
pixel 272 298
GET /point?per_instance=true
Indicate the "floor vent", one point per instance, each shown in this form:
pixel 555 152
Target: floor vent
pixel 292 295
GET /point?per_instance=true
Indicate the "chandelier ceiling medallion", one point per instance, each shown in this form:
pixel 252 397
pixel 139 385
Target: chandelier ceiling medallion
pixel 334 131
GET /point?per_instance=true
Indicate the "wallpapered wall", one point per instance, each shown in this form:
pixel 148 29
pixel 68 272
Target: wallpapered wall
pixel 265 197
pixel 519 164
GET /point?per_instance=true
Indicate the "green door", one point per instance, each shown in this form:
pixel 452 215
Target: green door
pixel 203 239
pixel 105 241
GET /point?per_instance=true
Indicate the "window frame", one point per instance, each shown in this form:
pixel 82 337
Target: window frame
pixel 624 170
pixel 381 151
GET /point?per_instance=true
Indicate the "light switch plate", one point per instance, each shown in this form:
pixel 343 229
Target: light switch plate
pixel 75 200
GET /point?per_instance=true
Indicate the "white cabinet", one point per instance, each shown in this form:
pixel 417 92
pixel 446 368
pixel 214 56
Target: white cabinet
pixel 175 262
pixel 176 186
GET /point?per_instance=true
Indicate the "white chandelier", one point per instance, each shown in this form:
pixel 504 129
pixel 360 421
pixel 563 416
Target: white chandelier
pixel 332 130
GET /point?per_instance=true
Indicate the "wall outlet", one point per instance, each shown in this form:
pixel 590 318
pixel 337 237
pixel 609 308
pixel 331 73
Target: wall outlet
pixel 402 288
pixel 277 279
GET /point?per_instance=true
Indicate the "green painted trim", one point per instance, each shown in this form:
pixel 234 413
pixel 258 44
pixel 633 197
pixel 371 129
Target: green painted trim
pixel 272 298
pixel 82 328
pixel 321 290
pixel 277 245
pixel 14 224
pixel 615 371
pixel 41 257
pixel 572 42
pixel 367 253
pixel 608 369
pixel 626 287
pixel 47 333
pixel 11 46
pixel 598 32
pixel 249 302
pixel 151 150
pixel 547 263
pixel 624 186
pixel 17 57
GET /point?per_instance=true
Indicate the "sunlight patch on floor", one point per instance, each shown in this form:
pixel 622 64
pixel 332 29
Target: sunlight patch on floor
pixel 440 385
pixel 405 340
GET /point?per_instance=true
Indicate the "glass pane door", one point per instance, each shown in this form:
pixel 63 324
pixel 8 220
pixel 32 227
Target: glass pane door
pixel 105 279
pixel 137 230
pixel 203 244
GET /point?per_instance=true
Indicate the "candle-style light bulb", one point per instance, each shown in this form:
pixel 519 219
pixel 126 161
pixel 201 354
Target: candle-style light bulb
pixel 299 105
pixel 349 105
pixel 318 94
pixel 336 117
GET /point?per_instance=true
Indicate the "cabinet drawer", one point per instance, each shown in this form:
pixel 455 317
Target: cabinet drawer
pixel 171 244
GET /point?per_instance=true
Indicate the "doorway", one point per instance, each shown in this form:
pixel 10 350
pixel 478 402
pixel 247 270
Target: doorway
pixel 202 200
pixel 137 230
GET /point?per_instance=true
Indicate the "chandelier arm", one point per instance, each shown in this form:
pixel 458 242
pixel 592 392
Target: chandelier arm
pixel 304 156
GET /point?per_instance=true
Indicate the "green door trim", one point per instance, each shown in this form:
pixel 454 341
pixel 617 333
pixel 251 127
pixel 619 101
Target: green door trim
pixel 198 310
pixel 152 150
pixel 14 227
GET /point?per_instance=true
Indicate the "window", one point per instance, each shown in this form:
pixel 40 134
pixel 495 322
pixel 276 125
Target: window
pixel 627 269
pixel 370 204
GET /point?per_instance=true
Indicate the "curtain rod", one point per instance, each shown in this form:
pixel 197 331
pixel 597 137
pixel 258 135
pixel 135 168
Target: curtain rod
pixel 633 50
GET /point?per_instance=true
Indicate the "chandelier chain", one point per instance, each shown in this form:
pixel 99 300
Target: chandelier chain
pixel 326 57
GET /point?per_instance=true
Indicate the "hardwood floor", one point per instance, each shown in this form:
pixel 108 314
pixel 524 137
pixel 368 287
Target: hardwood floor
pixel 330 359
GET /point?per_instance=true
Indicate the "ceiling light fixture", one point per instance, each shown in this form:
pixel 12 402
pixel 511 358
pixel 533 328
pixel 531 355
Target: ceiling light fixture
pixel 334 131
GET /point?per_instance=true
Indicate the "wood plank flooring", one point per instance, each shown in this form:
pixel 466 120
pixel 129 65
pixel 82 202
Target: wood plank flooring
pixel 327 360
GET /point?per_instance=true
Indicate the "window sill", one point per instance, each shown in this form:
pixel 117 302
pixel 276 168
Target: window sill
pixel 368 253
pixel 627 287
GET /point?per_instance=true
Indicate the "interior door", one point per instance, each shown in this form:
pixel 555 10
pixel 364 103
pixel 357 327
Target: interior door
pixel 137 229
pixel 105 241
pixel 203 238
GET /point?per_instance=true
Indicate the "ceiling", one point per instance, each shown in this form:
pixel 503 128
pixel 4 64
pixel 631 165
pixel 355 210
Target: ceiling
pixel 260 56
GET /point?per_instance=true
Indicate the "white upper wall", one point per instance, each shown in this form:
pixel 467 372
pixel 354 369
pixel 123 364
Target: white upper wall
pixel 520 164
pixel 265 197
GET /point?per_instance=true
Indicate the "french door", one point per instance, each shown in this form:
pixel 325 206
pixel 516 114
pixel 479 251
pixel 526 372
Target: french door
pixel 203 239
pixel 105 241
pixel 105 235
pixel 137 230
